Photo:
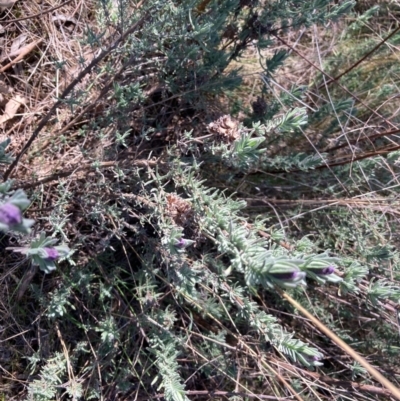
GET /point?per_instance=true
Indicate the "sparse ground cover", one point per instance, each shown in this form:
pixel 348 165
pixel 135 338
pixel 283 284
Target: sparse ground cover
pixel 199 166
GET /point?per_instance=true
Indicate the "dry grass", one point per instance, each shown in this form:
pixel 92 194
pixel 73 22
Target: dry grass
pixel 38 79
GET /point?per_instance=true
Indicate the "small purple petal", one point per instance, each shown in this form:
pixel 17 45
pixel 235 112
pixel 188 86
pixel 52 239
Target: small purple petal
pixel 10 214
pixel 51 253
pixel 181 243
pixel 324 271
pixel 312 359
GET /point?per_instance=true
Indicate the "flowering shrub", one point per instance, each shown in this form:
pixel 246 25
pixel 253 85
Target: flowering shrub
pixel 41 252
pixel 11 210
pixel 180 288
pixel 44 253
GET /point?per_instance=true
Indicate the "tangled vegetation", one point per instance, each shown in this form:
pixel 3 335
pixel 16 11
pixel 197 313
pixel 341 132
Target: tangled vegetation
pixel 199 200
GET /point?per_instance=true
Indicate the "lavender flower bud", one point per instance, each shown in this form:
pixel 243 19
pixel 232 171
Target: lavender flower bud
pixel 286 276
pixel 289 276
pixel 314 360
pixel 324 271
pixel 10 214
pixel 51 254
pixel 181 243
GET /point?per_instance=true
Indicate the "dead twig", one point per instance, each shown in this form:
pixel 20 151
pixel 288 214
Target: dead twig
pixel 331 78
pixel 348 385
pixel 24 51
pixel 361 59
pixel 49 10
pixel 91 166
pixel 69 89
pixel 345 347
pixel 219 393
pixel 356 141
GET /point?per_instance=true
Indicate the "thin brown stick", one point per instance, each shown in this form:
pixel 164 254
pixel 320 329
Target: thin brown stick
pixel 69 88
pixel 345 347
pixel 26 50
pixel 331 78
pixel 354 141
pixel 349 385
pixel 64 174
pixel 49 10
pixel 361 59
pixel 261 201
pixel 345 160
pixel 220 393
pixel 365 155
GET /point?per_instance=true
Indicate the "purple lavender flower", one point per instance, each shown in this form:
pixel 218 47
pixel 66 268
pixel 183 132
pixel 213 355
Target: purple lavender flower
pixel 324 271
pixel 314 360
pixel 51 254
pixel 181 243
pixel 10 214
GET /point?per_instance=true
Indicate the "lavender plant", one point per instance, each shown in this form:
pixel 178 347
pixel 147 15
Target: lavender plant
pixel 44 253
pixel 11 210
pixel 178 282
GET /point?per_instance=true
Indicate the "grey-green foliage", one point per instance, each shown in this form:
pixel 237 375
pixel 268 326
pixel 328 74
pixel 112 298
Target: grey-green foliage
pixel 183 54
pixel 258 263
pixel 108 331
pixel 5 157
pixel 43 252
pixel 57 307
pixel 383 289
pixel 171 382
pixel 250 149
pixel 362 20
pixel 51 376
pixel 261 263
pixel 52 381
